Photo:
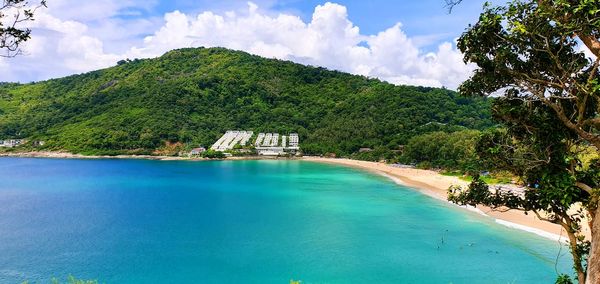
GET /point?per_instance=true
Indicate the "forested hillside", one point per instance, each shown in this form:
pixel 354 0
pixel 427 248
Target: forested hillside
pixel 193 95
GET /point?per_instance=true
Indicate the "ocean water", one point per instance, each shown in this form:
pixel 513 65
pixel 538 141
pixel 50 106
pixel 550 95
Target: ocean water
pixel 138 221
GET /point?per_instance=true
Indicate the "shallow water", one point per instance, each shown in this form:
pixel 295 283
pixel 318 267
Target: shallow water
pixel 138 221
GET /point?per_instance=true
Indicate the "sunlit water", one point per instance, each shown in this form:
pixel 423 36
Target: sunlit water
pixel 136 221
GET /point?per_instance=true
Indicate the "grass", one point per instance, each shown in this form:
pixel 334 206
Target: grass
pixel 493 178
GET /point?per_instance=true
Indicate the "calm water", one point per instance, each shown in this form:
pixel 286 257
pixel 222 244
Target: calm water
pixel 135 221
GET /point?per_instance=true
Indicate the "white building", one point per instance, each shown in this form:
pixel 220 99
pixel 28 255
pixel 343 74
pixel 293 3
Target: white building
pixel 271 145
pixel 230 139
pixel 246 138
pixel 294 140
pixel 259 139
pixel 266 144
pixel 11 143
pixel 267 141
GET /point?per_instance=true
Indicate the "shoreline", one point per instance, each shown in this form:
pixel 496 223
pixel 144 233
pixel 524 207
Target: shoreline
pixel 66 155
pixel 427 182
pixel 435 185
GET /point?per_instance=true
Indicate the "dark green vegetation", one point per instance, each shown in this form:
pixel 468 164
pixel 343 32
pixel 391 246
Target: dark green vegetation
pixel 451 151
pixel 530 52
pixel 192 96
pixel 210 154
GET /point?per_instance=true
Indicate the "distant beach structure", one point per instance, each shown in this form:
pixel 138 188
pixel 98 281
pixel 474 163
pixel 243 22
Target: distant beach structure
pixel 13 143
pixel 197 151
pixel 230 139
pixel 266 144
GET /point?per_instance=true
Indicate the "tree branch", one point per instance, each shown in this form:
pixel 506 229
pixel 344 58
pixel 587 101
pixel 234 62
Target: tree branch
pixel 592 43
pixel 450 4
pixel 585 187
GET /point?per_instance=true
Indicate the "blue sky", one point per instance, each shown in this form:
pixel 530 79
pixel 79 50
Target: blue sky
pixel 425 18
pixel 421 17
pixel 403 42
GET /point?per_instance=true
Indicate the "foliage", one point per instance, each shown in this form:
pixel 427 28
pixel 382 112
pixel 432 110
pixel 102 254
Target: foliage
pixel 498 177
pixel 452 151
pixel 537 148
pixel 193 95
pixel 212 154
pixel 529 53
pixel 564 279
pixel 12 14
pixel 378 154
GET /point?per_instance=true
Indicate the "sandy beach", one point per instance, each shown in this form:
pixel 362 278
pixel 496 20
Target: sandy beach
pixel 436 185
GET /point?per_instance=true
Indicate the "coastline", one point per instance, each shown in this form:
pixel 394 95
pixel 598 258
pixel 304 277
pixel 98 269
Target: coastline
pixel 436 185
pixel 428 182
pixel 66 155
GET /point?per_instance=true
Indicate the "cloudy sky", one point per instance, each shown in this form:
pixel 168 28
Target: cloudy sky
pixel 400 41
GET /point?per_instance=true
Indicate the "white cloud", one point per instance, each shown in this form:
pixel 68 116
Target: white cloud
pixel 330 39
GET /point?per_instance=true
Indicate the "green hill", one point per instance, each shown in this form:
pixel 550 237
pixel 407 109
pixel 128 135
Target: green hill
pixel 193 95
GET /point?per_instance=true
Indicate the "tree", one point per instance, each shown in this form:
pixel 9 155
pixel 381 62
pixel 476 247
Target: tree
pixel 548 158
pixel 13 13
pixel 530 55
pixel 451 151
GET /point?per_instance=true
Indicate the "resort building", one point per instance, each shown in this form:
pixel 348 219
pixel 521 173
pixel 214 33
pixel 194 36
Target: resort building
pixel 259 139
pixel 246 137
pixel 230 139
pixel 294 140
pixel 270 151
pixel 197 151
pixel 11 143
pixel 266 144
pixel 267 140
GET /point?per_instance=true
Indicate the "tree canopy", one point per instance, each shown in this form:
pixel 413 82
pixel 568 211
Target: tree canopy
pixel 444 150
pixel 532 56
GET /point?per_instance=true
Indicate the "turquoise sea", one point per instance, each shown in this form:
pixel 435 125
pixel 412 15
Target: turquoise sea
pixel 139 221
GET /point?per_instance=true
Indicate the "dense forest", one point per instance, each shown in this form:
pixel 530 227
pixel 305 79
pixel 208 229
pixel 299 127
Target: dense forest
pixel 452 151
pixel 191 96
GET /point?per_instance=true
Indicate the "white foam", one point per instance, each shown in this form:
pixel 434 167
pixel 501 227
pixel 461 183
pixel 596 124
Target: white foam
pixel 512 225
pixel 393 178
pixel 471 208
pixel 533 230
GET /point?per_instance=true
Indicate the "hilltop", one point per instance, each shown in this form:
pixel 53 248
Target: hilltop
pixel 191 96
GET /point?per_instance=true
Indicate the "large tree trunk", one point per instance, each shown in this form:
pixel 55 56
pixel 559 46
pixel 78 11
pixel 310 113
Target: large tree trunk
pixel 593 271
pixel 592 43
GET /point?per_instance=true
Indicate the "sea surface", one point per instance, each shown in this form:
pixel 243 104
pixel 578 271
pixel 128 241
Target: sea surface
pixel 140 221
